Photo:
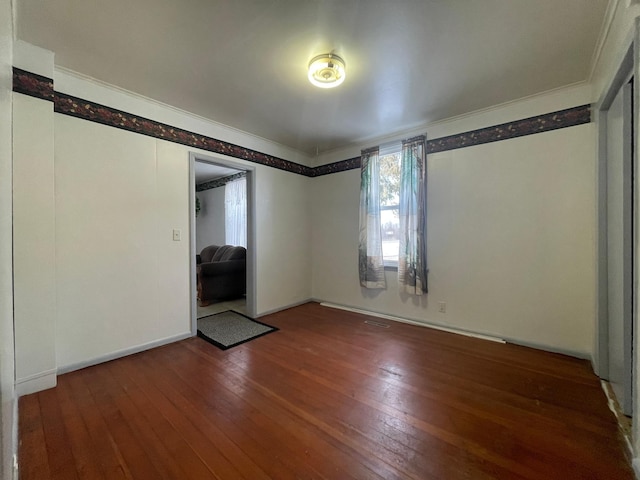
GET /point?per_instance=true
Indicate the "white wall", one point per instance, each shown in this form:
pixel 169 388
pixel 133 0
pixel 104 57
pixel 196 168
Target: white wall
pixel 210 224
pixel 34 248
pixel 122 283
pixel 174 288
pixel 8 413
pixel 283 239
pixel 510 241
pixel 34 229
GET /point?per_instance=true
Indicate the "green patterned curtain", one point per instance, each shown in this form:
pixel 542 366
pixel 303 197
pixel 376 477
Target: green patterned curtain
pixel 412 258
pixel 370 263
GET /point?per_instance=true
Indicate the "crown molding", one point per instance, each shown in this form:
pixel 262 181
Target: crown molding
pixel 223 130
pixel 423 127
pixel 605 29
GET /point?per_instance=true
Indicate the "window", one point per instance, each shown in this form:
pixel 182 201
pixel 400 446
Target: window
pixel 235 212
pixel 389 205
pixel 393 216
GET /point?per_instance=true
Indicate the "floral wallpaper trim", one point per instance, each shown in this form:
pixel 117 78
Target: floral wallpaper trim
pixel 341 166
pixel 32 84
pixel 519 128
pixel 219 182
pixel 77 107
pixel 42 87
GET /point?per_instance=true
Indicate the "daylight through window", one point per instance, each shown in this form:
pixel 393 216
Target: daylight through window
pixel 389 203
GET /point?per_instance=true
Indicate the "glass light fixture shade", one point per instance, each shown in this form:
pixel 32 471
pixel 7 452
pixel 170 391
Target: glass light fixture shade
pixel 327 70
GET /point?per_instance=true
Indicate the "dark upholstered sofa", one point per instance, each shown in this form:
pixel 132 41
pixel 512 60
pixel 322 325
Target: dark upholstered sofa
pixel 222 272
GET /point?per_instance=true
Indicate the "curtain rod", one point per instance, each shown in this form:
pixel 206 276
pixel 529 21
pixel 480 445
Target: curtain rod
pixel 394 144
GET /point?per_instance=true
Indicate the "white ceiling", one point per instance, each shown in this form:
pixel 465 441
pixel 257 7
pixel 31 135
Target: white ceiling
pixel 205 172
pixel 243 62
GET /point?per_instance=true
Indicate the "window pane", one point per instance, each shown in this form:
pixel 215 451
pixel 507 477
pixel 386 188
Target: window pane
pixel 389 199
pixel 390 240
pixel 389 180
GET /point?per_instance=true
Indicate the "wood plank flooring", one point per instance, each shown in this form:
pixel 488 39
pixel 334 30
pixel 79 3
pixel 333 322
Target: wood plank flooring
pixel 326 397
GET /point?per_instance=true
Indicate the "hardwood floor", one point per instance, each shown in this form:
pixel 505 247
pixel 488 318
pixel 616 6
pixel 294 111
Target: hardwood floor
pixel 331 397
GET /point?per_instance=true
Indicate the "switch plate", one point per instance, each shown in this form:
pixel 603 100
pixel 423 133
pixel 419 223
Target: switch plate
pixel 177 236
pixel 442 307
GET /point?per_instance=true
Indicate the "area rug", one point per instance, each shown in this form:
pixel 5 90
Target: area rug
pixel 228 329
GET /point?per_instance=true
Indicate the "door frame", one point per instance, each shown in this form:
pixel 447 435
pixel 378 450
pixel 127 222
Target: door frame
pixel 251 229
pixel 625 71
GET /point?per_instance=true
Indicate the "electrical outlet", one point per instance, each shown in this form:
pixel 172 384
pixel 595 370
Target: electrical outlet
pixel 177 235
pixel 442 307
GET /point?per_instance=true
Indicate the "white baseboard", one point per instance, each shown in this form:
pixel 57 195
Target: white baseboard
pixel 285 307
pixel 414 322
pixel 468 333
pixel 37 382
pixel 123 353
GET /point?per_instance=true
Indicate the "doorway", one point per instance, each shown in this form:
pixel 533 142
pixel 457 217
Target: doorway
pixel 214 184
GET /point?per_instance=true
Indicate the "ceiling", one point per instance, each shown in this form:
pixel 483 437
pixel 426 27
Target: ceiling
pixel 243 62
pixel 205 172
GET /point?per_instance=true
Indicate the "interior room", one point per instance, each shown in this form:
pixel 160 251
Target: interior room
pixel 221 219
pixel 440 241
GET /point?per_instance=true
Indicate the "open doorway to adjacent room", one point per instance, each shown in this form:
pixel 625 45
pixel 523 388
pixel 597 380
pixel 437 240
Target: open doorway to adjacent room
pixel 222 243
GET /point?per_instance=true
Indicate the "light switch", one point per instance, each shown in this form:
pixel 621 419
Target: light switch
pixel 176 235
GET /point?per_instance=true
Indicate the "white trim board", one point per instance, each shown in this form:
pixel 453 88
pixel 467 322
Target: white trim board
pixel 545 348
pixel 286 307
pixel 414 322
pixel 123 353
pixel 36 382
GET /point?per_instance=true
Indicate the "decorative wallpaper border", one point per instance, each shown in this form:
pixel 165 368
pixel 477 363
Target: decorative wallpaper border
pixel 42 87
pixel 32 84
pixel 519 128
pixel 341 166
pixel 77 107
pixel 569 117
pixel 219 182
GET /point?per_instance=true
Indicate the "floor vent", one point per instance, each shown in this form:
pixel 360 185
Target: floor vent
pixel 376 324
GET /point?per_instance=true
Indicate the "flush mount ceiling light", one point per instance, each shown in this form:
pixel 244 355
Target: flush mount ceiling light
pixel 327 70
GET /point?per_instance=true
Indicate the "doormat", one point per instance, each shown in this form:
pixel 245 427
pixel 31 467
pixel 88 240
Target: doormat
pixel 228 329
